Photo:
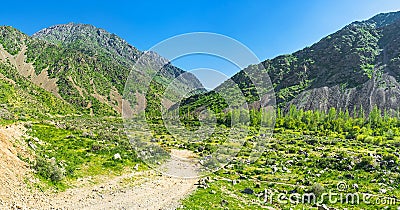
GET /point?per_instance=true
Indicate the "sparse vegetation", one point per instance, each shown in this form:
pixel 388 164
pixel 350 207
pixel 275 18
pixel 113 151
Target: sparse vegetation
pixel 80 147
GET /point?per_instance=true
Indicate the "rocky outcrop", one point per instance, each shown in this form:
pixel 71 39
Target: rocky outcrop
pixel 384 94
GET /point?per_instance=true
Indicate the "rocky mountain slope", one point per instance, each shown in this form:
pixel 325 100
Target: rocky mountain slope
pixel 358 66
pixel 81 65
pixel 22 98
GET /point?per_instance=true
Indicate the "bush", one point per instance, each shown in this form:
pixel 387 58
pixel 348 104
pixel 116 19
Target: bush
pixel 317 189
pixel 390 160
pixel 367 163
pixel 361 137
pixel 369 139
pixel 49 169
pixel 378 140
pixel 389 134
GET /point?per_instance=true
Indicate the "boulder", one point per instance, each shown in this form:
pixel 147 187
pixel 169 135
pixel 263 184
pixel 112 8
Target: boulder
pixel 117 156
pixel 248 191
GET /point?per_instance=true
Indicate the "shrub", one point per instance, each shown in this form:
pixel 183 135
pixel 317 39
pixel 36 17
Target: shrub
pixel 367 163
pixel 361 137
pixel 389 134
pixel 369 139
pixel 49 169
pixel 317 189
pixel 378 140
pixel 390 160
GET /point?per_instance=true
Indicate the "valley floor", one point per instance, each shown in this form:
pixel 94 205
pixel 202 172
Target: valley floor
pixel 137 190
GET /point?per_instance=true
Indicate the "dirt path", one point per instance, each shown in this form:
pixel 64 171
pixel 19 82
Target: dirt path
pixel 140 190
pixel 137 190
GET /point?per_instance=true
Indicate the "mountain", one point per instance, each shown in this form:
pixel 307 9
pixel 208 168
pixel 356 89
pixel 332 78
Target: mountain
pixel 84 66
pixel 356 67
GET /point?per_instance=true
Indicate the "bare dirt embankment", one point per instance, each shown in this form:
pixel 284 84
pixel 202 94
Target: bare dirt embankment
pixel 14 173
pixel 137 190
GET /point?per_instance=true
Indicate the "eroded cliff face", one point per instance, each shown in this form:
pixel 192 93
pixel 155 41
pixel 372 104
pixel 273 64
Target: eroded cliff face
pixel 385 94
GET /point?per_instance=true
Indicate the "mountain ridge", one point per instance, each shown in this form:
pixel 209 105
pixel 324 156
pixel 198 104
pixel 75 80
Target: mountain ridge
pixel 352 68
pixel 87 65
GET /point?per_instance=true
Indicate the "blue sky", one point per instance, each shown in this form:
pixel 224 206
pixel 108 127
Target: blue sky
pixel 268 27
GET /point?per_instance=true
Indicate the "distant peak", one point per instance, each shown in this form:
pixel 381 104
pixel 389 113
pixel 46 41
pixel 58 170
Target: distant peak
pixel 384 19
pixel 87 37
pixel 69 28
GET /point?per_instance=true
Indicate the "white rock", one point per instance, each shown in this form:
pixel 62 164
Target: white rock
pixel 117 156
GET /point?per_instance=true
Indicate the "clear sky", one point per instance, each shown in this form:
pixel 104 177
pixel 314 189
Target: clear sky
pixel 268 27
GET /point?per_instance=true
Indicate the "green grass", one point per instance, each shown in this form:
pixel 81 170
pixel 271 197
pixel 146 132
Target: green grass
pixel 222 195
pixel 22 100
pixel 325 164
pixel 78 154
